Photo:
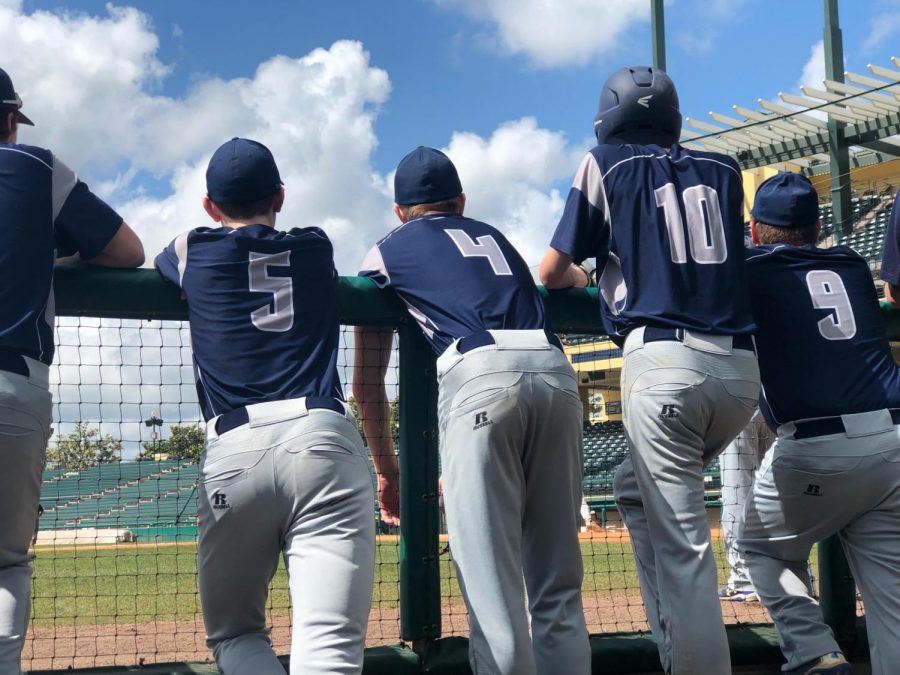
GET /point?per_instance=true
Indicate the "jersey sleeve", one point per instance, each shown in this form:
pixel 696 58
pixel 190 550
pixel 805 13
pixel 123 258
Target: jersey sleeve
pixel 374 268
pixel 172 262
pixel 890 261
pixel 83 223
pixel 579 232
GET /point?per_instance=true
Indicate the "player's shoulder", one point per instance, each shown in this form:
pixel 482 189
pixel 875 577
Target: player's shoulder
pixel 608 156
pixel 17 152
pixel 311 233
pixel 680 153
pixel 425 227
pixel 808 253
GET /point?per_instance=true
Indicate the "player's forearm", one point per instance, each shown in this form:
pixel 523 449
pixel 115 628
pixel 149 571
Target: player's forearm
pixel 375 415
pixel 892 294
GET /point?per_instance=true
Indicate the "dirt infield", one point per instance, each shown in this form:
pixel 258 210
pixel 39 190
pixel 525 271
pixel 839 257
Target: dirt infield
pixel 611 600
pixel 166 641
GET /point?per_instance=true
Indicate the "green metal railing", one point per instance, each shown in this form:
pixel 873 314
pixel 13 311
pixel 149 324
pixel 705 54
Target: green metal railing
pixel 142 294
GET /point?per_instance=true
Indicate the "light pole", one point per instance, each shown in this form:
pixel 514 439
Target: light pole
pixel 153 422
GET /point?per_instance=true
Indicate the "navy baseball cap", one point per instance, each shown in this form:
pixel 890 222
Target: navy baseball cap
pixel 786 200
pixel 9 99
pixel 425 176
pixel 241 171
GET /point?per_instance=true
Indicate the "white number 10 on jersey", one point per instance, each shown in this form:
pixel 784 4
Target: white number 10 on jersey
pixel 705 228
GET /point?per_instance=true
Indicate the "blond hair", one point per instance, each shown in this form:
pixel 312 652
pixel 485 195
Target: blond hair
pixel 413 211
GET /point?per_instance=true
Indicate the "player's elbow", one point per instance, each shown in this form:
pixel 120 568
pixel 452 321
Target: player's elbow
pixel 134 257
pixel 124 250
pixel 892 294
pixel 131 251
pixel 360 390
pixel 553 271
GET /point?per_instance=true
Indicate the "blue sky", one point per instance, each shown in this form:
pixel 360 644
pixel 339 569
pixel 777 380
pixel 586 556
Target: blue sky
pixel 509 87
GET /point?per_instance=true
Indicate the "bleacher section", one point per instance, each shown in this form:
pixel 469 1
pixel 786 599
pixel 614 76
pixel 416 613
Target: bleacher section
pixel 605 447
pixel 122 495
pixel 870 218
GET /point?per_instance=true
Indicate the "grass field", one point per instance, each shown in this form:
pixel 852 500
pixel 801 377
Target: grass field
pixel 130 604
pixel 139 584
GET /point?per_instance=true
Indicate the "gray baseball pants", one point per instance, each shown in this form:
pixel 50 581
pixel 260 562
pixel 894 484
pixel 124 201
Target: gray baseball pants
pixel 511 454
pixel 739 462
pixel 25 413
pixel 805 491
pixel 297 483
pixel 682 403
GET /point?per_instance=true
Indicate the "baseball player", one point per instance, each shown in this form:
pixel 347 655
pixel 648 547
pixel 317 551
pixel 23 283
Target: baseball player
pixel 283 471
pixel 832 392
pixel 739 462
pixel 890 261
pixel 45 212
pixel 510 422
pixel 665 227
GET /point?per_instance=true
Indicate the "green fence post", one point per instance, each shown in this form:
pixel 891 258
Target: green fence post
pixel 837 593
pixel 420 583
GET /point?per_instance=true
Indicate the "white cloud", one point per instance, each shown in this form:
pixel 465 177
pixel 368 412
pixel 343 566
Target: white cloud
pixel 698 42
pixel 101 110
pixel 552 34
pixel 814 69
pixel 883 25
pixel 508 177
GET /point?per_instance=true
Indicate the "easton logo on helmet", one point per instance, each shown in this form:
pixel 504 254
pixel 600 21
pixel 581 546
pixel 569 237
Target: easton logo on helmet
pixel 645 100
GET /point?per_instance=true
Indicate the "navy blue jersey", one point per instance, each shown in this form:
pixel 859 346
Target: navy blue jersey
pixel 890 261
pixel 457 276
pixel 263 312
pixel 45 211
pixel 667 231
pixel 821 334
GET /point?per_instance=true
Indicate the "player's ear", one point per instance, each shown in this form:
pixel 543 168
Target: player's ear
pixel 398 211
pixel 818 228
pixel 754 237
pixel 212 210
pixel 279 200
pixel 9 125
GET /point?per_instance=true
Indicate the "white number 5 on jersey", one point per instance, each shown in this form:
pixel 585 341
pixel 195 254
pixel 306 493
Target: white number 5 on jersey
pixel 827 290
pixel 280 318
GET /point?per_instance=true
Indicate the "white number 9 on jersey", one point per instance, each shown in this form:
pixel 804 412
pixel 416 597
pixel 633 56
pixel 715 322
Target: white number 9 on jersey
pixel 827 290
pixel 280 318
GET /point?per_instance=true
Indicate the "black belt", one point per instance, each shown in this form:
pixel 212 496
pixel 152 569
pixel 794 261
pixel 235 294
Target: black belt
pixel 657 334
pixel 483 338
pixel 828 426
pixel 235 418
pixel 13 363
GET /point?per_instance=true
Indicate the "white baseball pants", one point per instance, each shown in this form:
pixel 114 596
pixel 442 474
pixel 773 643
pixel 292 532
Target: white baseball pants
pixel 805 491
pixel 25 409
pixel 511 454
pixel 297 483
pixel 682 404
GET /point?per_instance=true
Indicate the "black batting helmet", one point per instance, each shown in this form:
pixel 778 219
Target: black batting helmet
pixel 639 105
